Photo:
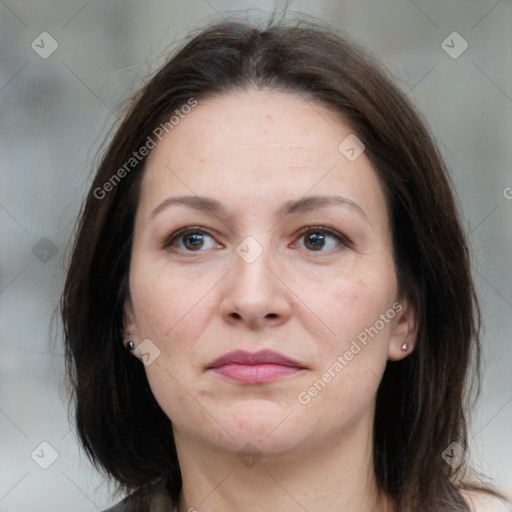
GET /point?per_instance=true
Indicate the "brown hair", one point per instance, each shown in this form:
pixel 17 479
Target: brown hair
pixel 422 399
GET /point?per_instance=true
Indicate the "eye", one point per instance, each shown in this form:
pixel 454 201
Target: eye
pixel 191 239
pixel 321 239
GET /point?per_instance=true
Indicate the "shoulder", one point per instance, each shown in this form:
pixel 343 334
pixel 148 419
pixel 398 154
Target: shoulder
pixel 125 505
pixel 482 502
pixel 120 507
pixel 157 503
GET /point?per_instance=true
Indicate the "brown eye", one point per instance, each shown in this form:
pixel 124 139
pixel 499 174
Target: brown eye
pixel 314 241
pixel 191 240
pixel 321 239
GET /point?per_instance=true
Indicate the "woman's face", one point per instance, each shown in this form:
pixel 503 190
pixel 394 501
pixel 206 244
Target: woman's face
pixel 288 249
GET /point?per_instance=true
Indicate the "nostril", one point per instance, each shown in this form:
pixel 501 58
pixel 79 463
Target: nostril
pixel 271 315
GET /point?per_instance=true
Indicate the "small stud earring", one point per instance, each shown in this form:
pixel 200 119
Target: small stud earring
pixel 405 346
pixel 130 345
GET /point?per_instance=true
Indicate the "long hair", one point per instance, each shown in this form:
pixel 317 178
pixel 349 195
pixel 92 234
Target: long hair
pixel 422 400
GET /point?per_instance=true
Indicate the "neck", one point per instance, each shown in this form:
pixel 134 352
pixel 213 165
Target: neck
pixel 316 477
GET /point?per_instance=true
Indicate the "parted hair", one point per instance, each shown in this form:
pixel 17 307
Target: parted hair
pixel 422 401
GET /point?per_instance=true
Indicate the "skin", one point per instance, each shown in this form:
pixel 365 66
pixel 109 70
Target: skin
pixel 252 152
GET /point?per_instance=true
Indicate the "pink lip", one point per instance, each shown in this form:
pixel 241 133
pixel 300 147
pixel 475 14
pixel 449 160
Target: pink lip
pixel 263 366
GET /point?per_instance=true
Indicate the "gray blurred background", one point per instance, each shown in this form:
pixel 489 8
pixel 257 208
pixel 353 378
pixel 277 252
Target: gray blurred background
pixel 65 69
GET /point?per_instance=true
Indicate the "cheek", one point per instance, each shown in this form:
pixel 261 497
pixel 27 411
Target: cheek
pixel 352 303
pixel 172 311
pixel 354 358
pixel 169 305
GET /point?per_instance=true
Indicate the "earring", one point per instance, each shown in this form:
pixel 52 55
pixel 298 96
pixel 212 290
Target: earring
pixel 405 346
pixel 130 345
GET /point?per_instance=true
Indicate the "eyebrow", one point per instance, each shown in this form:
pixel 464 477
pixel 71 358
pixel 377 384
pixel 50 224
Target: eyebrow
pixel 196 202
pixel 206 204
pixel 312 202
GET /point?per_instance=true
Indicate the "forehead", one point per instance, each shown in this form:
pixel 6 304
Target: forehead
pixel 254 120
pixel 254 146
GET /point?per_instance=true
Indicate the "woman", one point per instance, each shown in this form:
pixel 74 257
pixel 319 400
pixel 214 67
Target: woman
pixel 269 303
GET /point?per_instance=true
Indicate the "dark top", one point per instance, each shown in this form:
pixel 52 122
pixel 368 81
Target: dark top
pixel 159 503
pixel 116 508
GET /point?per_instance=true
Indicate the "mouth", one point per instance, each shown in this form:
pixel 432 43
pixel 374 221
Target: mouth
pixel 257 368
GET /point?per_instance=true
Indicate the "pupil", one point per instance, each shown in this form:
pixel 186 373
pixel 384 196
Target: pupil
pixel 194 241
pixel 315 241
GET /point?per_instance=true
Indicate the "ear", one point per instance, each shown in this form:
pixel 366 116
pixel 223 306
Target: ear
pixel 129 324
pixel 404 331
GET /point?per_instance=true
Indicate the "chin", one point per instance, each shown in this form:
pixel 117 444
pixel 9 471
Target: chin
pixel 271 427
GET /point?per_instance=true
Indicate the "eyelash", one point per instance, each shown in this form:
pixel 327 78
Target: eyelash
pixel 341 239
pixel 176 235
pixel 167 241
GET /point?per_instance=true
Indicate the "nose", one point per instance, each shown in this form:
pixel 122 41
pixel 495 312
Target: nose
pixel 254 294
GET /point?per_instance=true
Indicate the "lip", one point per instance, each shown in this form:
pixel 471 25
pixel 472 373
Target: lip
pixel 255 368
pixel 247 358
